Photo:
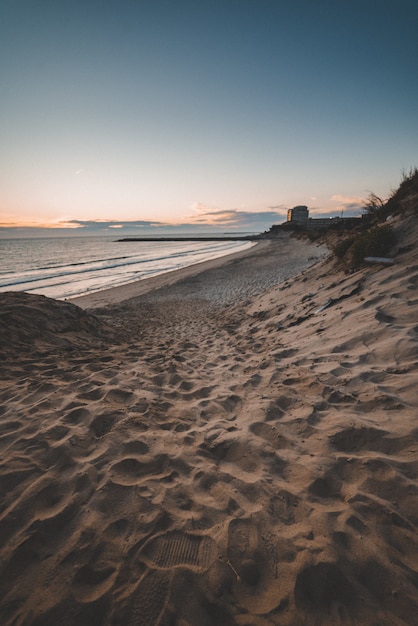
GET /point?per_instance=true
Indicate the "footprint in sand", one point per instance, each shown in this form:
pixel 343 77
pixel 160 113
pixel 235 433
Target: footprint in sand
pixel 355 439
pixel 321 586
pixel 136 447
pixel 77 416
pixel 326 486
pixel 130 471
pixel 178 549
pixel 56 433
pixel 283 506
pixel 103 423
pixel 256 586
pixel 92 394
pixel 50 501
pixel 278 408
pixel 89 583
pixel 270 434
pixel 150 599
pixel 231 450
pixel 119 396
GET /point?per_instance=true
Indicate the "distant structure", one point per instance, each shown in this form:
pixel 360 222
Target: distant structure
pixel 299 216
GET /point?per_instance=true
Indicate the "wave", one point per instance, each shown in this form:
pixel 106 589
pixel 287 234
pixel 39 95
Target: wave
pixel 71 277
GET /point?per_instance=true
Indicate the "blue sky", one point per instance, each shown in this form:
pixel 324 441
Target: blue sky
pixel 220 114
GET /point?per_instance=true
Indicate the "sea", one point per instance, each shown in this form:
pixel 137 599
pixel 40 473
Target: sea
pixel 64 268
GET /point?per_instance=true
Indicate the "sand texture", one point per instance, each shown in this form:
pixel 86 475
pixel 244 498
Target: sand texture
pixel 239 447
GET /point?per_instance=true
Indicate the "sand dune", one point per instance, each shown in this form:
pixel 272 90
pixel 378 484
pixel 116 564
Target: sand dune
pixel 218 451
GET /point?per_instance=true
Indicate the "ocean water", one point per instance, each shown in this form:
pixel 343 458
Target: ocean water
pixel 66 267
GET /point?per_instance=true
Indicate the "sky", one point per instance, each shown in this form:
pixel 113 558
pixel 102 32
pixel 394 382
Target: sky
pixel 144 116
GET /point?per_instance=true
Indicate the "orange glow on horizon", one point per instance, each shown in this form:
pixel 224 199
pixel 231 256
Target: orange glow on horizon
pixel 40 224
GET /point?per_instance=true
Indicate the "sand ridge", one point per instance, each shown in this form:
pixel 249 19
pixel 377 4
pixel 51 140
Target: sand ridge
pixel 209 454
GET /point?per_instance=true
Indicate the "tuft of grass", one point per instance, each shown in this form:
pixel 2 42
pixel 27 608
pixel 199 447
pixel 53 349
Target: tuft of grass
pixel 375 242
pixel 379 238
pixel 374 206
pixel 341 248
pixel 407 190
pixel 378 210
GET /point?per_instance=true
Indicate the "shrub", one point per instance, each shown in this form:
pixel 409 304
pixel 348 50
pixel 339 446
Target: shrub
pixel 375 242
pixel 343 246
pixel 407 189
pixel 374 205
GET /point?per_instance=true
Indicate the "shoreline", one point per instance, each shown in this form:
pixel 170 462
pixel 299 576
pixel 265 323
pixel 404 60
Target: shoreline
pixel 191 238
pixel 255 264
pixel 115 295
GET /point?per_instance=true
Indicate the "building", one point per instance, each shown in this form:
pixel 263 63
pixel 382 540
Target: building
pixel 298 214
pixel 334 223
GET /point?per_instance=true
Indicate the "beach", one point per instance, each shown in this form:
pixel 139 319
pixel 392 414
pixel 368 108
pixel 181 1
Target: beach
pixel 224 280
pixel 232 443
pixel 68 267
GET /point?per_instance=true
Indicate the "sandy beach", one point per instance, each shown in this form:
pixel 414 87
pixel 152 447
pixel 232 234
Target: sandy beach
pixel 235 443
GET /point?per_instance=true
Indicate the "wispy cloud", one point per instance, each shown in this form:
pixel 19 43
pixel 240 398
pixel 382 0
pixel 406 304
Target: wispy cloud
pixel 102 225
pixel 201 207
pixel 217 217
pixel 280 209
pixel 349 204
pixel 70 226
pixel 206 219
pixel 52 224
pixel 338 204
pixel 236 218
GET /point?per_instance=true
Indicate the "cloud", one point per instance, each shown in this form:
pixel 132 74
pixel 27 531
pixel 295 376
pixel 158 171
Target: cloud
pixel 204 208
pixel 207 220
pixel 347 199
pixel 52 224
pixel 236 218
pixel 351 204
pixel 103 225
pixel 280 208
pixel 218 217
pixel 67 226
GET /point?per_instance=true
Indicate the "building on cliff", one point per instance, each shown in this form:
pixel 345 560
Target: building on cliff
pixel 299 217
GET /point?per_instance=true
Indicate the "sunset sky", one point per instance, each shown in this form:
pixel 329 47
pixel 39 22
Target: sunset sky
pixel 138 114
